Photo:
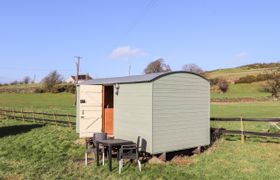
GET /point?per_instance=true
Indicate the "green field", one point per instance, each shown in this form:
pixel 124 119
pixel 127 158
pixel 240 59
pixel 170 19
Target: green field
pixel 242 91
pixel 32 151
pixel 38 151
pixel 46 102
pixel 232 74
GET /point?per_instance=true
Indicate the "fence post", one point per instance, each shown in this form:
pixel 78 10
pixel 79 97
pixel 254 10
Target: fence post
pixel 43 117
pixel 14 114
pixel 5 115
pixel 69 124
pixel 54 118
pixel 242 130
pixel 22 114
pixel 33 115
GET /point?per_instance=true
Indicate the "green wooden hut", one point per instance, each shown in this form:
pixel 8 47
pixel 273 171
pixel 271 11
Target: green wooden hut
pixel 170 111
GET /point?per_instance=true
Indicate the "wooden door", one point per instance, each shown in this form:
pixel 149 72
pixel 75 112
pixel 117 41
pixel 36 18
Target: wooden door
pixel 90 110
pixel 109 121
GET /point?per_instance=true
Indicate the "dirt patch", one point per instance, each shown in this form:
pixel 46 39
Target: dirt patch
pixel 155 160
pixel 248 170
pixel 80 142
pixel 181 160
pixel 13 178
pixel 214 146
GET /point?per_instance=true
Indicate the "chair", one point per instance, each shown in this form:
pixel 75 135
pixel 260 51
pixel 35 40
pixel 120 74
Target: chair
pixel 130 152
pixel 96 137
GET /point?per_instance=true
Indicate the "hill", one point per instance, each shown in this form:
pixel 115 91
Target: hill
pixel 233 74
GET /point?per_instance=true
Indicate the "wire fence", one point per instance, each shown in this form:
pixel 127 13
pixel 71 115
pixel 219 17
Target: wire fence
pixel 42 117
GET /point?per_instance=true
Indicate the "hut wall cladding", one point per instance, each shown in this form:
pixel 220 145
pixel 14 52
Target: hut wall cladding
pixel 133 112
pixel 181 112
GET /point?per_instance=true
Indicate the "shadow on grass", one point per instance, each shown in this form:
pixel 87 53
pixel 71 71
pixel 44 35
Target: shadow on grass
pixel 253 138
pixel 17 129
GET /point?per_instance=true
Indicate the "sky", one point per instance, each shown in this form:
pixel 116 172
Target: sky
pixel 37 37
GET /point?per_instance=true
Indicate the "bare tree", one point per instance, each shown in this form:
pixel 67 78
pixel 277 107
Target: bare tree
pixel 192 68
pixel 26 80
pixel 14 82
pixel 157 66
pixel 51 80
pixel 273 83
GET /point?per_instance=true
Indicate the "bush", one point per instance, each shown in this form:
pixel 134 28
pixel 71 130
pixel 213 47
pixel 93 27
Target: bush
pixel 39 90
pixel 223 85
pixel 214 81
pixel 58 88
pixel 251 78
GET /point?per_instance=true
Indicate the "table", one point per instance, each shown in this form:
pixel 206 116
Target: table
pixel 110 143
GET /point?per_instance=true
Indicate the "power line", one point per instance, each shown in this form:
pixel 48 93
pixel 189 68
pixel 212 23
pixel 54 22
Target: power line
pixel 148 7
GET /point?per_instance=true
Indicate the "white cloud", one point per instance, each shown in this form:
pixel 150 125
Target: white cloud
pixel 126 52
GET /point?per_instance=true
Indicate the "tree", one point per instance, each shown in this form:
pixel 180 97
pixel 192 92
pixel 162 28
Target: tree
pixel 193 68
pixel 14 82
pixel 51 80
pixel 26 80
pixel 223 85
pixel 273 83
pixel 157 66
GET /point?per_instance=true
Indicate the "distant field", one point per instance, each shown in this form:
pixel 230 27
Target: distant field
pixel 46 102
pixel 233 74
pixel 21 86
pixel 256 109
pixel 251 90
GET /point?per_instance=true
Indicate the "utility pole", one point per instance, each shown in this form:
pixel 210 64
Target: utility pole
pixel 129 69
pixel 77 68
pixel 77 74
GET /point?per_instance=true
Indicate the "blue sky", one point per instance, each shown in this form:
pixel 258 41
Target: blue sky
pixel 39 36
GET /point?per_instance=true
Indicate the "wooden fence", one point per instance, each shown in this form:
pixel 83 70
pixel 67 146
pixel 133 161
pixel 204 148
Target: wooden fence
pixel 242 132
pixel 42 117
pixel 67 120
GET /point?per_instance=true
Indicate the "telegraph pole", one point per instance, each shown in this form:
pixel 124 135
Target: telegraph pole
pixel 77 68
pixel 77 74
pixel 129 70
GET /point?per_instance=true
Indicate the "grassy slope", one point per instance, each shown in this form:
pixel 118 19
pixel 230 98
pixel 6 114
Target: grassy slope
pixel 232 74
pixel 49 152
pixel 242 91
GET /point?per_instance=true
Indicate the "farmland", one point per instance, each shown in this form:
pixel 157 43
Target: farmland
pixel 40 151
pixel 32 151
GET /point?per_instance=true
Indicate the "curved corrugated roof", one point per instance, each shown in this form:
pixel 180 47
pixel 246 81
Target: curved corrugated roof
pixel 134 79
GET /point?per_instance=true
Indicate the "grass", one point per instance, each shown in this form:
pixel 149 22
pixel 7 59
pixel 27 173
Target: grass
pixel 31 151
pixel 253 110
pixel 60 102
pixel 232 74
pixel 20 86
pixel 242 91
pixel 35 151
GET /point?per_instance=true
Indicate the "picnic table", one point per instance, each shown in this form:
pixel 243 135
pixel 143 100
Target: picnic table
pixel 110 143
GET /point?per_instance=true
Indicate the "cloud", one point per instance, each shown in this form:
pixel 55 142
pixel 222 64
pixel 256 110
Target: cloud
pixel 126 52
